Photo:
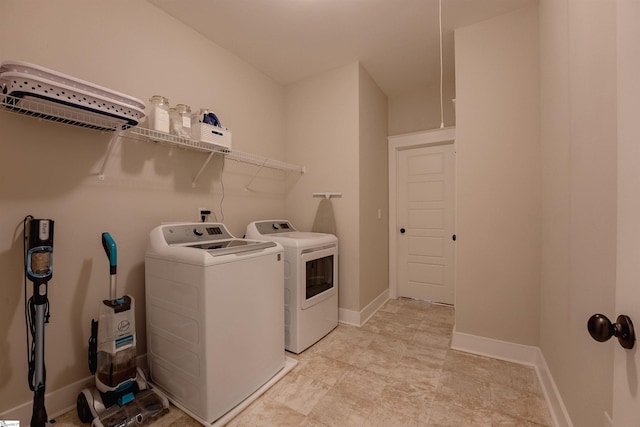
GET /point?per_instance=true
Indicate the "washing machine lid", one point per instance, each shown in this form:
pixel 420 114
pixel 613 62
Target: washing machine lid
pixel 214 238
pixel 235 246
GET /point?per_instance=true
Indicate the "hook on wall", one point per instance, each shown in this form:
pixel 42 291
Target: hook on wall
pixel 327 195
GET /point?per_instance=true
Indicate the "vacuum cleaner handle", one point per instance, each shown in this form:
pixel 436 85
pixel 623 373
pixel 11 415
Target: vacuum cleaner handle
pixel 111 250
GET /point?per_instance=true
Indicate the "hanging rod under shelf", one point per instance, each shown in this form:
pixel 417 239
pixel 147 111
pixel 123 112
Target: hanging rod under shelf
pixel 229 153
pixel 191 144
pixel 266 162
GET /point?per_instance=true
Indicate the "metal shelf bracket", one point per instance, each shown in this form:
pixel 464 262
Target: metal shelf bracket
pixel 110 148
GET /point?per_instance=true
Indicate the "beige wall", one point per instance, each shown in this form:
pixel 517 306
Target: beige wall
pixel 578 134
pixel 50 170
pixel 555 142
pixel 336 127
pixel 374 191
pixel 537 215
pixel 419 109
pixel 322 134
pixel 498 182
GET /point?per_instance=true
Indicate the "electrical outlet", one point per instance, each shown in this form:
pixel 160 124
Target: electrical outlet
pixel 203 214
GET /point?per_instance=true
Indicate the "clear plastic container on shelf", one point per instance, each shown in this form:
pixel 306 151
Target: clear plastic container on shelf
pixel 173 119
pixel 183 121
pixel 159 114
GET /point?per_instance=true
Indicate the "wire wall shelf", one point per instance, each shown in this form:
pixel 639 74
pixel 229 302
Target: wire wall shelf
pixel 172 140
pixel 60 113
pixel 229 153
pixel 72 115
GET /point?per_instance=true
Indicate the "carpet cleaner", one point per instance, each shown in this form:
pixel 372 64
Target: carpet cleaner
pixel 121 396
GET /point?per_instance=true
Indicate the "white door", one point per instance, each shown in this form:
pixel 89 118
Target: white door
pixel 626 377
pixel 425 221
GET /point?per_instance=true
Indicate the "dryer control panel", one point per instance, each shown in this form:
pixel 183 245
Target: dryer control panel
pixel 273 227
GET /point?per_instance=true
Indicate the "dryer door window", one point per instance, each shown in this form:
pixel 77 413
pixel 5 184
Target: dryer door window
pixel 319 276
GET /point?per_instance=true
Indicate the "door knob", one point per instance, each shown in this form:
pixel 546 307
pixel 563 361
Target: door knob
pixel 402 231
pixel 601 329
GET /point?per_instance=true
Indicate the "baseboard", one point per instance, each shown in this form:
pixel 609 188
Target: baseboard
pixel 522 354
pixel 348 317
pixel 359 318
pixel 57 402
pixel 559 413
pixel 503 350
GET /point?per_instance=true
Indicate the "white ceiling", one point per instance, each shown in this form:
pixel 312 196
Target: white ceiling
pixel 395 40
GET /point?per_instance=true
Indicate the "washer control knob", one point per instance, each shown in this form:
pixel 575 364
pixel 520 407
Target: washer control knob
pixel 275 226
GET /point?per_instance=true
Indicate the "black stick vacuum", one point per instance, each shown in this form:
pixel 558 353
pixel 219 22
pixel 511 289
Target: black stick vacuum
pixel 38 264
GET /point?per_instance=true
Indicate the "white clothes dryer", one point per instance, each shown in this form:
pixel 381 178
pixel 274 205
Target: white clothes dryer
pixel 310 281
pixel 214 316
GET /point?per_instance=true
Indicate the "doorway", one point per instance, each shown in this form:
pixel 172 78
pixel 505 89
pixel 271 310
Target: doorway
pixel 422 216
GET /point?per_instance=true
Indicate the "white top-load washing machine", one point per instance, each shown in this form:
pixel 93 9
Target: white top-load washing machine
pixel 310 280
pixel 215 329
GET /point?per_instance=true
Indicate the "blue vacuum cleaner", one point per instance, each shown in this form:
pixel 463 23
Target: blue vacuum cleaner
pixel 121 396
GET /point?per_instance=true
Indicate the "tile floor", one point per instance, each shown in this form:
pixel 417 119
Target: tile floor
pixel 396 370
